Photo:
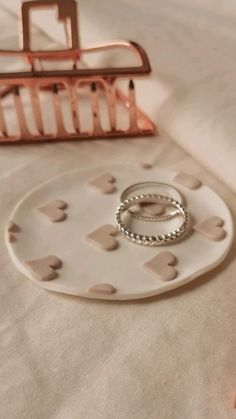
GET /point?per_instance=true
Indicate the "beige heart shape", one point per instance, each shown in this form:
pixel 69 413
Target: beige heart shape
pixel 211 228
pixel 44 269
pixel 103 237
pixel 161 266
pixel 147 209
pixel 188 181
pixel 54 211
pixel 153 209
pixel 146 166
pixel 102 289
pixel 103 184
pixel 12 229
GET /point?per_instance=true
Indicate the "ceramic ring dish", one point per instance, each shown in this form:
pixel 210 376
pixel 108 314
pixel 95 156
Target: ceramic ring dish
pixel 63 236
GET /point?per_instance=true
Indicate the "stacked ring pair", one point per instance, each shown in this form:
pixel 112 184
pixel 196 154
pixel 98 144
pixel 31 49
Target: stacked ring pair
pixel 169 200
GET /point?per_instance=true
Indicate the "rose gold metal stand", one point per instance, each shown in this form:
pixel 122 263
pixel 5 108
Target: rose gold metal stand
pixel 99 83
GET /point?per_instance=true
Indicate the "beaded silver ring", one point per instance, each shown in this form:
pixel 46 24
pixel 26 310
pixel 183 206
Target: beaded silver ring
pixel 171 192
pixel 153 240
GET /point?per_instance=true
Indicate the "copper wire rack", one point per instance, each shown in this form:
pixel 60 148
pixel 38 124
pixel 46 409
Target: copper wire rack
pixel 99 85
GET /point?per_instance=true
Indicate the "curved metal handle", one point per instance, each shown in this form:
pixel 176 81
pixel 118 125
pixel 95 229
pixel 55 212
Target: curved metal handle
pixel 67 12
pixel 135 48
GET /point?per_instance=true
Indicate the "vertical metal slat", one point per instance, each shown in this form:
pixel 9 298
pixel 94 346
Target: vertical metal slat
pixel 97 128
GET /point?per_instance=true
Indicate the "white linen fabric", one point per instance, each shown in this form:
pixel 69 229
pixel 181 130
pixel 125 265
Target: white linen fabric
pixel 171 357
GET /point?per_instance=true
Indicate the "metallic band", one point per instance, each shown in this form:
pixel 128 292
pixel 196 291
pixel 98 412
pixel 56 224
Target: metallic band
pixel 153 240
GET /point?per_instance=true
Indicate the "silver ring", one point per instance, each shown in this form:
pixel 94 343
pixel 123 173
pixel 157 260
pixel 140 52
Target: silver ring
pixel 169 190
pixel 153 240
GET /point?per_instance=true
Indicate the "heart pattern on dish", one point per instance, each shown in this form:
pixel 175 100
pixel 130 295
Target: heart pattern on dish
pixel 54 211
pixel 11 230
pixel 147 209
pixel 106 289
pixel 153 209
pixel 103 237
pixel 103 184
pixel 45 268
pixel 188 181
pixel 161 266
pixel 211 228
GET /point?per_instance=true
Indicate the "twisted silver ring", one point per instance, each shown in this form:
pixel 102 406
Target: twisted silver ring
pixel 156 239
